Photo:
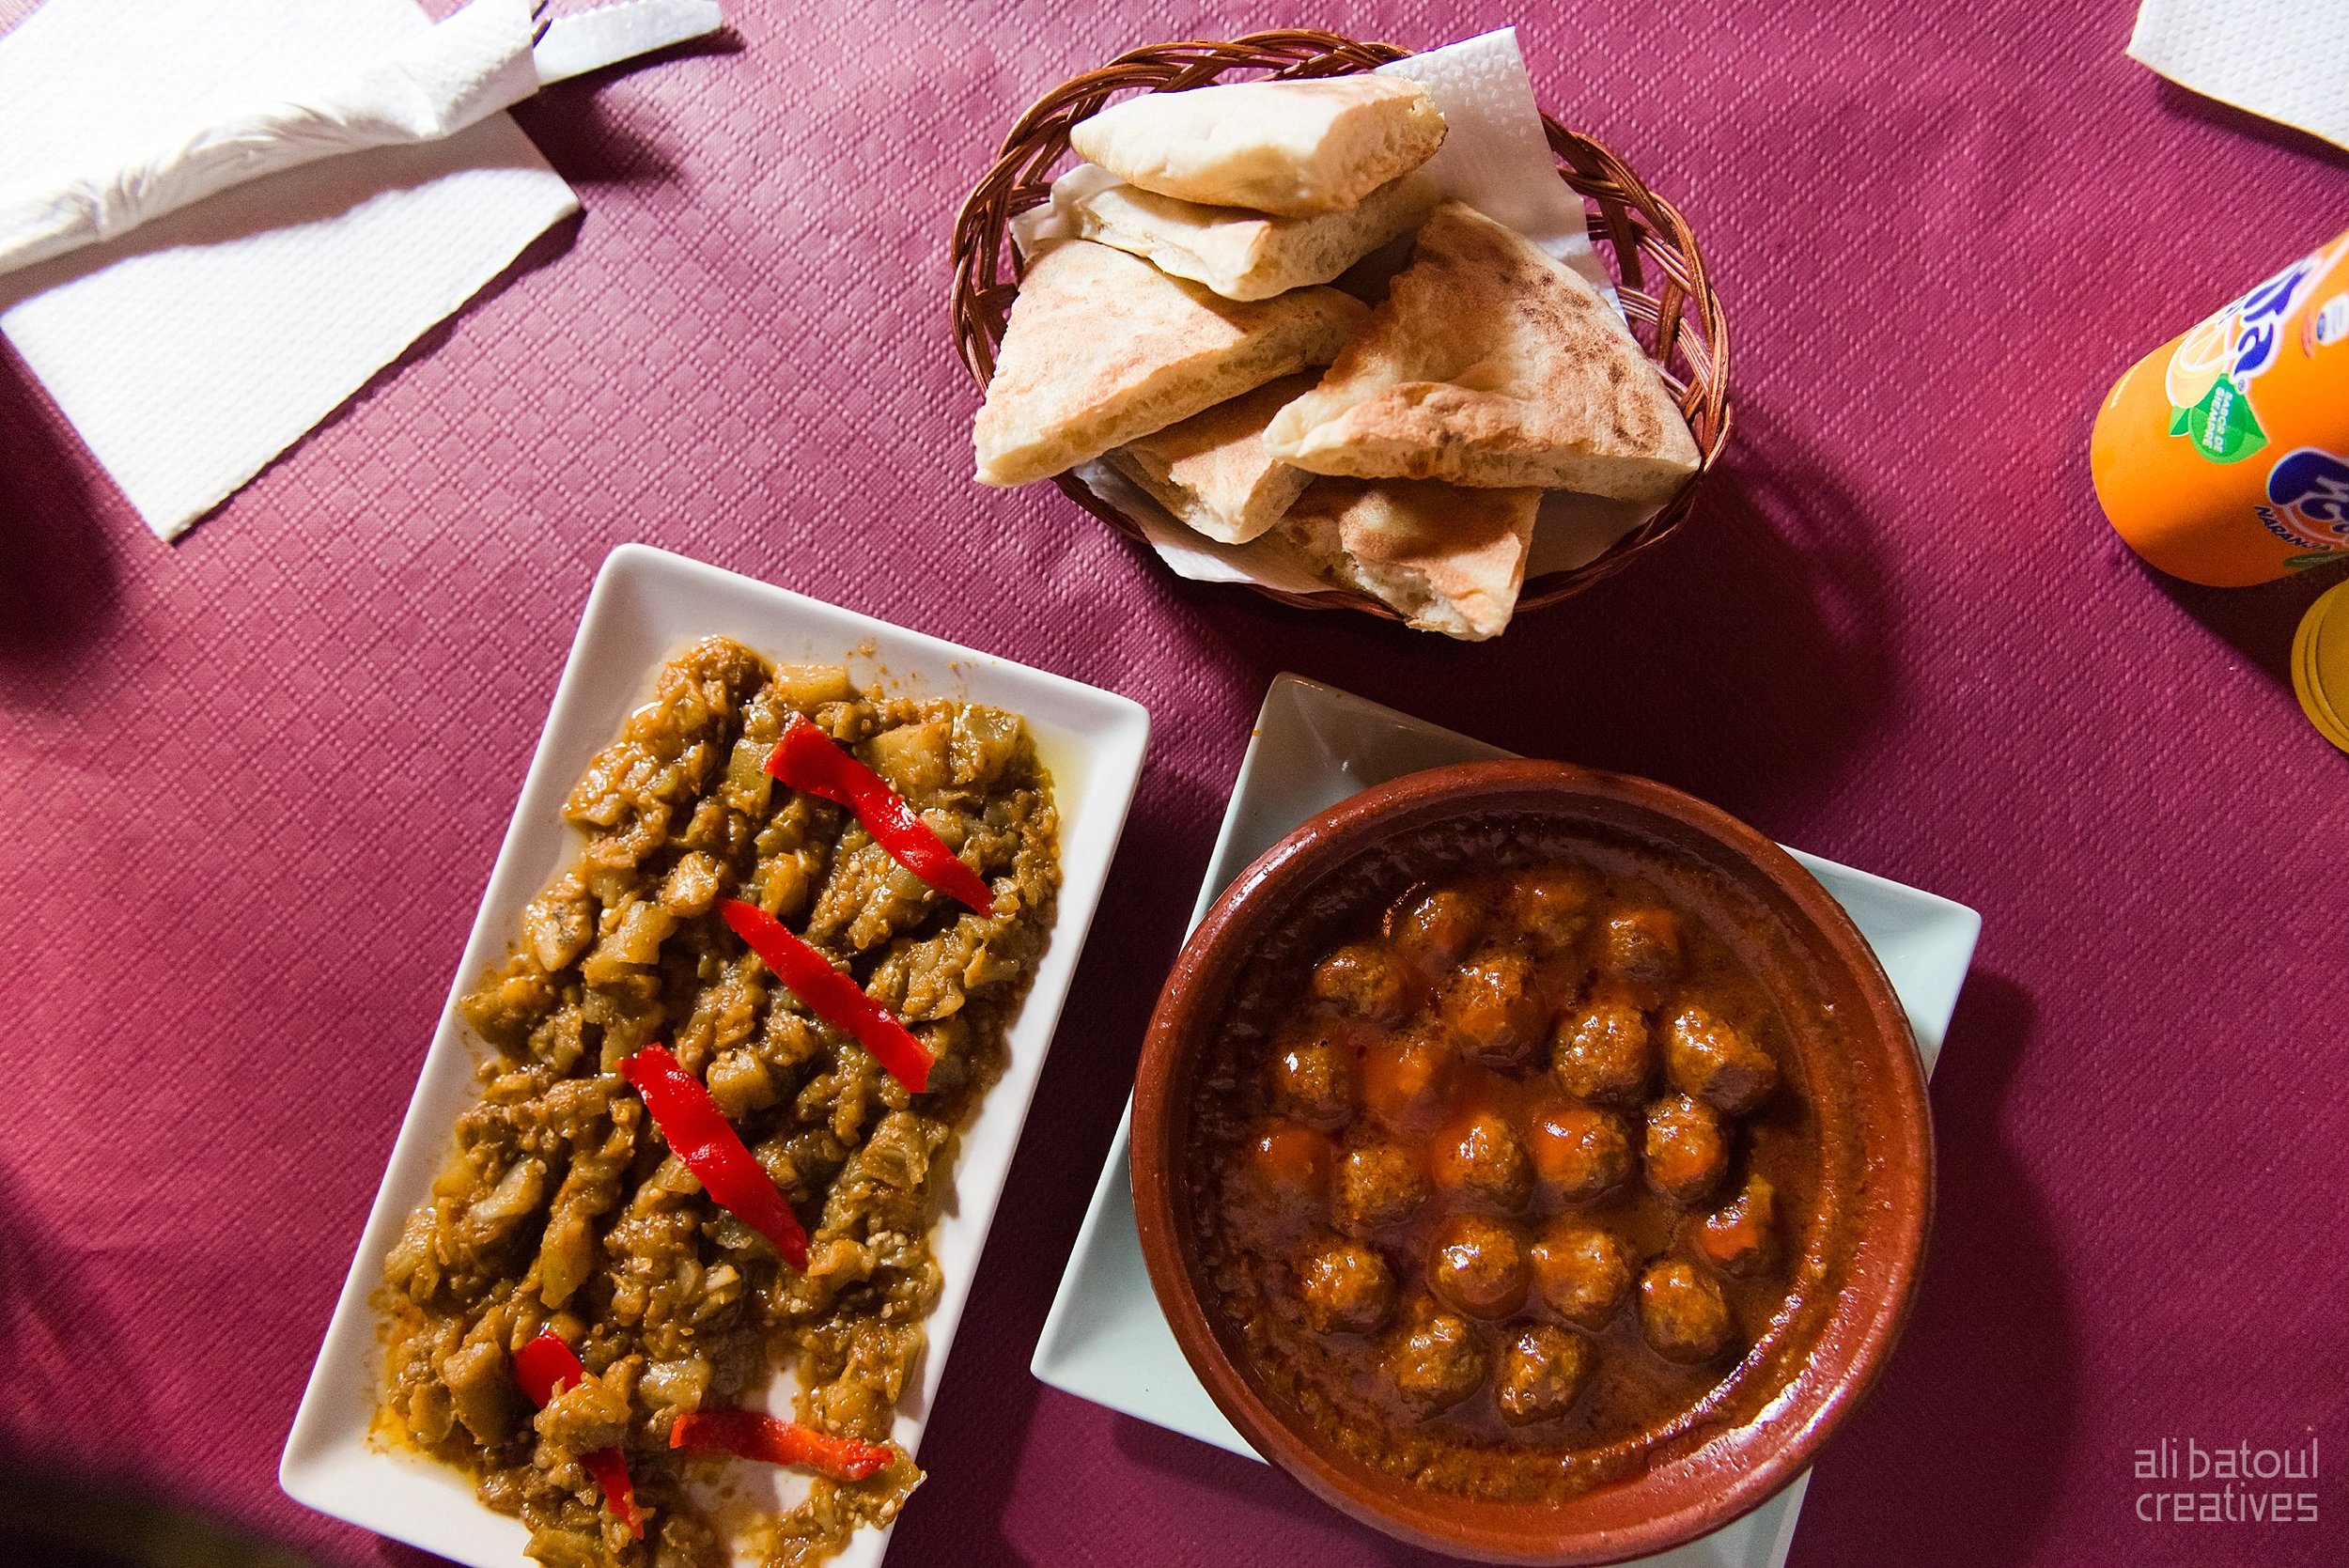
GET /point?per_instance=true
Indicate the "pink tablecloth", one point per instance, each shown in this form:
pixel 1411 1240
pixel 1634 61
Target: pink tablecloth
pixel 250 787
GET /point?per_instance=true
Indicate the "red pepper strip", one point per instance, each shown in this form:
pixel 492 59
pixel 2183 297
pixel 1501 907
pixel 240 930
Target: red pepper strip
pixel 702 1137
pixel 544 1368
pixel 609 1471
pixel 808 760
pixel 833 997
pixel 748 1435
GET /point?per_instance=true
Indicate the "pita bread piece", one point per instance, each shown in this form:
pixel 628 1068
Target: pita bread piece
pixel 1490 363
pixel 1293 149
pixel 1103 347
pixel 1450 560
pixel 1211 471
pixel 1239 254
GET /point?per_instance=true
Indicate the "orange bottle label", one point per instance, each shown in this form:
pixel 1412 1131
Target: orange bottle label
pixel 2223 455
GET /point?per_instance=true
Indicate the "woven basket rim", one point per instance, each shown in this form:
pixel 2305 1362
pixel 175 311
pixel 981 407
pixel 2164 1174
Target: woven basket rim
pixel 1679 322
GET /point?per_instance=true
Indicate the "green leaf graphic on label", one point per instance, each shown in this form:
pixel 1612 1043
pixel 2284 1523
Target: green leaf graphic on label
pixel 2222 425
pixel 2320 558
pixel 2177 421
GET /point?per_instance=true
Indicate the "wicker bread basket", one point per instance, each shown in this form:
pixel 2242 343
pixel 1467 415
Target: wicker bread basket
pixel 1673 311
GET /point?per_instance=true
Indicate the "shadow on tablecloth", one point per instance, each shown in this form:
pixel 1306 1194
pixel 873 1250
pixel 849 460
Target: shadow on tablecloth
pixel 2258 623
pixel 2188 104
pixel 589 146
pixel 1744 659
pixel 57 575
pixel 56 1520
pixel 1982 1393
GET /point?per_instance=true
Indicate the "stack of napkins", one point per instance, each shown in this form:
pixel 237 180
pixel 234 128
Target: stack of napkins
pixel 193 350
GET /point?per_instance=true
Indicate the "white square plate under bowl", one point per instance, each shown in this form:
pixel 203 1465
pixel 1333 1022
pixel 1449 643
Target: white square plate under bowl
pixel 1314 746
pixel 646 606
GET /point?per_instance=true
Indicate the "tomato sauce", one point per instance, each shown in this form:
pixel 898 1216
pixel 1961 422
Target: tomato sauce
pixel 1503 1161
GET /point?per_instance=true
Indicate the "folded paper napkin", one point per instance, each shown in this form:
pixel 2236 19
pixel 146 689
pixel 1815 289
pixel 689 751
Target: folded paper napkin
pixel 447 78
pixel 2287 60
pixel 193 349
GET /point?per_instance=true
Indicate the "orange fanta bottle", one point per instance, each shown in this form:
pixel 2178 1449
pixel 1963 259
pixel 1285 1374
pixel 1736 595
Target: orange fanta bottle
pixel 2223 455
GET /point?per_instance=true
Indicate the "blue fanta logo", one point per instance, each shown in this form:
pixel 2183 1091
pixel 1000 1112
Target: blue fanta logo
pixel 2261 314
pixel 2308 493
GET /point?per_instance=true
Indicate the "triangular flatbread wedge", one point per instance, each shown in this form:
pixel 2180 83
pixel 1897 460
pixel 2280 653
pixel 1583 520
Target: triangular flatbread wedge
pixel 1103 347
pixel 1239 254
pixel 1211 469
pixel 1291 148
pixel 1490 363
pixel 1449 559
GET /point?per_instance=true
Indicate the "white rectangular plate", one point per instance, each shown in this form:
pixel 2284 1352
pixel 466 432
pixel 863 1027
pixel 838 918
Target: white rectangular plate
pixel 648 606
pixel 1314 746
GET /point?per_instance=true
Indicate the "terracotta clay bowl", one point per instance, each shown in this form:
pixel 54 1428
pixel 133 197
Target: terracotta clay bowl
pixel 1853 1268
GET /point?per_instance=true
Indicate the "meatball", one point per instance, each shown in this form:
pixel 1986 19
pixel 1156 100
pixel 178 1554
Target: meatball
pixel 1343 1287
pixel 1288 1167
pixel 1602 1051
pixel 1642 947
pixel 1578 1151
pixel 1477 1267
pixel 1407 1083
pixel 1686 1150
pixel 1379 1185
pixel 1480 1160
pixel 1542 1371
pixel 1552 908
pixel 1312 1081
pixel 1364 981
pixel 1738 1239
pixel 1436 929
pixel 1436 1360
pixel 1493 1008
pixel 1682 1312
pixel 1582 1273
pixel 1716 1061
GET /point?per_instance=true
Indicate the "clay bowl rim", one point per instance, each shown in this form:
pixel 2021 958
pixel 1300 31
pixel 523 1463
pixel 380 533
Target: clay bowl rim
pixel 1806 1404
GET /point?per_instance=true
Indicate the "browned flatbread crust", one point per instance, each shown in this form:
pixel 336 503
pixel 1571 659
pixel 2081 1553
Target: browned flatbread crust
pixel 1492 363
pixel 1450 559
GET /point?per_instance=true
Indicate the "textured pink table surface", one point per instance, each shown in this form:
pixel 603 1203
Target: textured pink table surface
pixel 250 787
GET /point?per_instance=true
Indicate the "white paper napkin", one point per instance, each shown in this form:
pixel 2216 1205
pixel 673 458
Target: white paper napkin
pixel 2285 59
pixel 1495 158
pixel 191 352
pixel 448 77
